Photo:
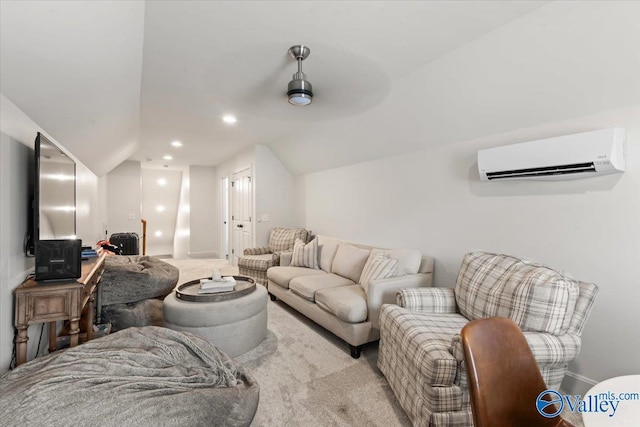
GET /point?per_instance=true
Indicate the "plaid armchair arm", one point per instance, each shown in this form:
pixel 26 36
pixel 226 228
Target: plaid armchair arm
pixel 432 300
pixel 260 250
pixel 553 349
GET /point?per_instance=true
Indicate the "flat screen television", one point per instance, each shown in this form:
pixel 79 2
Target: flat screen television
pixel 54 194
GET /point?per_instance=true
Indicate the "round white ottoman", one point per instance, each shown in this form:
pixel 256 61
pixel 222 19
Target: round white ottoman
pixel 234 326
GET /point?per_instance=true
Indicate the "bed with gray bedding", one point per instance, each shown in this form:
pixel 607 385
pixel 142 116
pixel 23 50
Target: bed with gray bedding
pixel 135 377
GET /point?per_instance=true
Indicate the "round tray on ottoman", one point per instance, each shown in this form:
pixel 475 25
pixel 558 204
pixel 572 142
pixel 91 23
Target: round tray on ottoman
pixel 234 325
pixel 189 291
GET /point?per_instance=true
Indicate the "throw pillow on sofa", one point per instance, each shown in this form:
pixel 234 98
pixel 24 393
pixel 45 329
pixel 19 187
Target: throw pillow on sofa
pixel 349 262
pixel 408 259
pixel 378 267
pixel 305 255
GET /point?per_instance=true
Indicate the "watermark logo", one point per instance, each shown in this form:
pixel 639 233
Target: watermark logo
pixel 550 403
pixel 553 398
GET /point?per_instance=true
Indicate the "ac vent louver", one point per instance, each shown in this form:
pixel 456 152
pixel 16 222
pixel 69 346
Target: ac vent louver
pixel 543 171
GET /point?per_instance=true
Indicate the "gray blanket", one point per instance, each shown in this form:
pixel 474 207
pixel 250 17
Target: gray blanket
pixel 136 377
pixel 128 279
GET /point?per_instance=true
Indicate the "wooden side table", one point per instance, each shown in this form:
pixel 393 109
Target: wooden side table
pixel 42 302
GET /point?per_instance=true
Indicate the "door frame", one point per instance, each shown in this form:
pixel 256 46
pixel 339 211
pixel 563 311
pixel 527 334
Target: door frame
pixel 225 224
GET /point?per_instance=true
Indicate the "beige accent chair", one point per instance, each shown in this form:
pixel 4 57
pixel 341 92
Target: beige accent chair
pixel 421 352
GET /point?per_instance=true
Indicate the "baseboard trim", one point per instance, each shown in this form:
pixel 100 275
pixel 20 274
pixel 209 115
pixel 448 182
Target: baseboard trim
pixel 577 384
pixel 203 254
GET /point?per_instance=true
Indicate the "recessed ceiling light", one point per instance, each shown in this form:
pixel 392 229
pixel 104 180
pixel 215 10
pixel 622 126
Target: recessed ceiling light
pixel 176 144
pixel 167 157
pixel 161 182
pixel 229 119
pixel 158 233
pixel 160 208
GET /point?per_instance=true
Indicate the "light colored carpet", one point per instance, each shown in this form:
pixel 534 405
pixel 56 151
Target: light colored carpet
pixel 307 377
pixel 306 374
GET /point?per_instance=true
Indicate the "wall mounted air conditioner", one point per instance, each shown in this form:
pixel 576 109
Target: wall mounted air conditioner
pixel 575 156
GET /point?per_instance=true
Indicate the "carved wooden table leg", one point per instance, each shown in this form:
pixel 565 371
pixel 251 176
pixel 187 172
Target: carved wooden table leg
pixel 21 344
pixel 90 318
pixel 74 331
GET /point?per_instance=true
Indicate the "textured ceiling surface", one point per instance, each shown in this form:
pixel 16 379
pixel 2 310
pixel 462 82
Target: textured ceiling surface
pixel 121 80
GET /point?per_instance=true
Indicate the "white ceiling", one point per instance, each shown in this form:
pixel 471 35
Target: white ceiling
pixel 118 80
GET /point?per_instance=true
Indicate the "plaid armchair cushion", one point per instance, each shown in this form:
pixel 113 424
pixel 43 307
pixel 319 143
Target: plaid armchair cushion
pixel 257 262
pixel 536 297
pixel 283 239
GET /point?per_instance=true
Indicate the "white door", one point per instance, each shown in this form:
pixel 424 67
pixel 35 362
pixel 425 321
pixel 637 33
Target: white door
pixel 242 213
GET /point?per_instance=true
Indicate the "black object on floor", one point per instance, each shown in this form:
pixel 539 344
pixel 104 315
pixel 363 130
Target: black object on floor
pixel 129 243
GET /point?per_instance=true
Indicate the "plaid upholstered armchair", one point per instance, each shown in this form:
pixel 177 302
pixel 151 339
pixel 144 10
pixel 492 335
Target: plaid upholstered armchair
pixel 256 261
pixel 421 352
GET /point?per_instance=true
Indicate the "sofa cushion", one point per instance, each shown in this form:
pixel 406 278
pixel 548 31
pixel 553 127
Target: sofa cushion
pixel 327 249
pixel 409 260
pixel 536 297
pixel 306 286
pixel 281 276
pixel 256 262
pixel 349 261
pixel 283 239
pixel 378 267
pixel 305 255
pixel 347 303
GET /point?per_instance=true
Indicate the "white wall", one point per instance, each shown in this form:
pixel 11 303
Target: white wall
pixel 16 177
pixel 124 198
pixel 204 191
pixel 433 200
pixel 16 172
pixel 91 196
pixel 160 196
pixel 273 194
pixel 182 238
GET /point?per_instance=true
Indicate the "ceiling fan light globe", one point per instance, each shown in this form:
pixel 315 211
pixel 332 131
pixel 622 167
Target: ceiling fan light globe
pixel 299 99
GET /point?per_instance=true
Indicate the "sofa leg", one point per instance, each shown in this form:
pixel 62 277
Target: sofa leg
pixel 273 297
pixel 355 351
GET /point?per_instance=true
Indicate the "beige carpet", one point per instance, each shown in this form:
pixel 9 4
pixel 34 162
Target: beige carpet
pixel 307 377
pixel 306 374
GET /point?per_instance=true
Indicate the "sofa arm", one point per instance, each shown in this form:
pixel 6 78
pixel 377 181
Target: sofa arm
pixel 260 250
pixel 553 349
pixel 432 300
pixel 383 291
pixel 285 258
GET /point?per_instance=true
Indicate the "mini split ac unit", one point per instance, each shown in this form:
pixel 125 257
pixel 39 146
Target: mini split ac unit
pixel 564 157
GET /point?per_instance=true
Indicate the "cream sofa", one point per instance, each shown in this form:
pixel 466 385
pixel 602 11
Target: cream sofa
pixel 331 294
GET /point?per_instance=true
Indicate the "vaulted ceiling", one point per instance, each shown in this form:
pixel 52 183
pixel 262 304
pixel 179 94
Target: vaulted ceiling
pixel 121 80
